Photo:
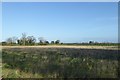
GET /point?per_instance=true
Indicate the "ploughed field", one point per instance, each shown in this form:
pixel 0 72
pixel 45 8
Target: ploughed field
pixel 60 62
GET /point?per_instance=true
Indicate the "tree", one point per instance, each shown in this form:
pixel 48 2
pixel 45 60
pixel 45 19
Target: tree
pixel 57 41
pixel 41 40
pixel 3 43
pixel 23 39
pixel 18 41
pixel 52 42
pixel 46 42
pixel 14 39
pixel 91 42
pixel 9 40
pixel 31 40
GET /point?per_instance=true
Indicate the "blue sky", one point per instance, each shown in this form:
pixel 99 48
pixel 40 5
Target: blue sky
pixel 68 21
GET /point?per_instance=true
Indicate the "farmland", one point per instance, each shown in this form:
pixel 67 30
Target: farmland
pixel 60 62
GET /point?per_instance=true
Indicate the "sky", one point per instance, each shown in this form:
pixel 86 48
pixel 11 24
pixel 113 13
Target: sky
pixel 0 21
pixel 65 21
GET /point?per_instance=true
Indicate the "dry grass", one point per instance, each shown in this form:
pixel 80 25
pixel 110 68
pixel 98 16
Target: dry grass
pixel 65 46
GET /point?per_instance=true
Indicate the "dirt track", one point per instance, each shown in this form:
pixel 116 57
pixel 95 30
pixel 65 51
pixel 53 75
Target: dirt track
pixel 64 46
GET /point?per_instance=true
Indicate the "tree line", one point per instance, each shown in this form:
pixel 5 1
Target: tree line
pixel 31 40
pixel 28 40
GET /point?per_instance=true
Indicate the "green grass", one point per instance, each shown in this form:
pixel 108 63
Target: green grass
pixel 16 73
pixel 59 63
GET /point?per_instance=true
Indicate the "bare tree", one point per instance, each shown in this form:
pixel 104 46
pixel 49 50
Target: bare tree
pixel 24 38
pixel 14 39
pixel 9 40
pixel 31 39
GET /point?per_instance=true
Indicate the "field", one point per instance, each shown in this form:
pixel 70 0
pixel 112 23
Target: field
pixel 60 62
